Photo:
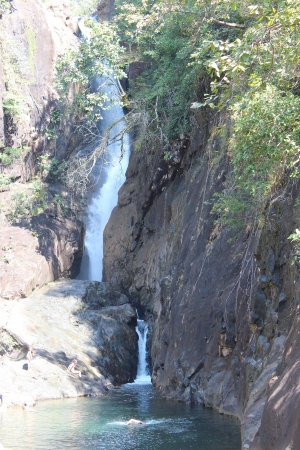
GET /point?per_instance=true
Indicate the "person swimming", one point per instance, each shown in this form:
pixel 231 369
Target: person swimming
pixel 27 406
pixel 135 422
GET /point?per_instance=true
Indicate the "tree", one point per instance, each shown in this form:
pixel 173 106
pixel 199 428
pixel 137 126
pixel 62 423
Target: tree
pixel 97 56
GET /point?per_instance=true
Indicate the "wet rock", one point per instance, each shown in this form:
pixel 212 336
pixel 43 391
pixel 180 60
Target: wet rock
pixel 64 325
pixel 262 346
pixel 276 279
pixel 282 297
pixel 260 302
pixel 270 260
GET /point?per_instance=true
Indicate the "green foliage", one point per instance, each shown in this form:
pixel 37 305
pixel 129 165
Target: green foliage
pixel 231 208
pixel 25 204
pixel 13 104
pixel 11 154
pixel 172 38
pixel 40 197
pixel 5 7
pixel 295 237
pixel 52 168
pixel 165 90
pixel 5 181
pixel 55 118
pixel 256 75
pixel 7 342
pixel 100 55
pixel 83 7
pixel 242 56
pixel 264 151
pixel 266 139
pixel 264 53
pixel 15 69
pixel 43 163
pixel 62 203
pixel 51 133
pixel 21 207
pixel 56 170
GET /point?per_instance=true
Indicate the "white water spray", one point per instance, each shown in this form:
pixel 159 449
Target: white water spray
pixel 143 376
pixel 103 199
pixel 110 176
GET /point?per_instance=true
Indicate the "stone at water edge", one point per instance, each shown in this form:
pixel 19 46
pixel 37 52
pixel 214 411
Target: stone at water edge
pixel 102 339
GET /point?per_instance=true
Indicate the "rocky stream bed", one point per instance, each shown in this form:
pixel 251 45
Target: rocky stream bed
pixel 65 320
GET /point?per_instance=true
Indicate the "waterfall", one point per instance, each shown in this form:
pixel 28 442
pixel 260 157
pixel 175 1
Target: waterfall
pixel 110 175
pixel 143 376
pixel 103 199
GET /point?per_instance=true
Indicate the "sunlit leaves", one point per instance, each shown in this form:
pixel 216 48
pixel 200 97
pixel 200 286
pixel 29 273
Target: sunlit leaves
pixel 100 56
pixel 266 139
pixel 5 7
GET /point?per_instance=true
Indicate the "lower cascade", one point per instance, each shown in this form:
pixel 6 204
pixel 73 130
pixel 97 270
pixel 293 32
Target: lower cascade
pixel 143 376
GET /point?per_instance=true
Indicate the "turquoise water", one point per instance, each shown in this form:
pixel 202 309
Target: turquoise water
pixel 100 423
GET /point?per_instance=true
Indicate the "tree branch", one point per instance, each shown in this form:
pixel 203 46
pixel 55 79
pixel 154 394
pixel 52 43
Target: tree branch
pixel 228 24
pixel 212 19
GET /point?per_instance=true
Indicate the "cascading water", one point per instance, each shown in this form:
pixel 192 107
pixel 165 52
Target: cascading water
pixel 143 376
pixel 102 201
pixel 110 176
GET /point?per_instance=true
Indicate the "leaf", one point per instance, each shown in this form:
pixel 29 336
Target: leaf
pixel 196 105
pixel 215 66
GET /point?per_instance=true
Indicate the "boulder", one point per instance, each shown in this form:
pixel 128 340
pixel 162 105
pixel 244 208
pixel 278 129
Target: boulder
pixel 64 322
pixel 31 256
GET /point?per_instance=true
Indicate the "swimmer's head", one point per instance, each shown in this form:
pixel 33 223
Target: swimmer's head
pixel 74 361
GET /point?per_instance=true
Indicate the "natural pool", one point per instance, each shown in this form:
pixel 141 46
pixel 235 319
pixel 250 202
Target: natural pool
pixel 100 423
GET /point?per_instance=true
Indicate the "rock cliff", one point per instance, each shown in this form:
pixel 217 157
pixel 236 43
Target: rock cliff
pixel 222 305
pixel 34 252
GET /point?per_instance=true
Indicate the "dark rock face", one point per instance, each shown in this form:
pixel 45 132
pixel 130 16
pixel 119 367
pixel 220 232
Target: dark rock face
pixel 105 9
pixel 61 242
pixel 220 305
pixel 114 322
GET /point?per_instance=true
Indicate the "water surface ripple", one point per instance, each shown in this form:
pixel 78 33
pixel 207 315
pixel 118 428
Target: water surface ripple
pixel 101 423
